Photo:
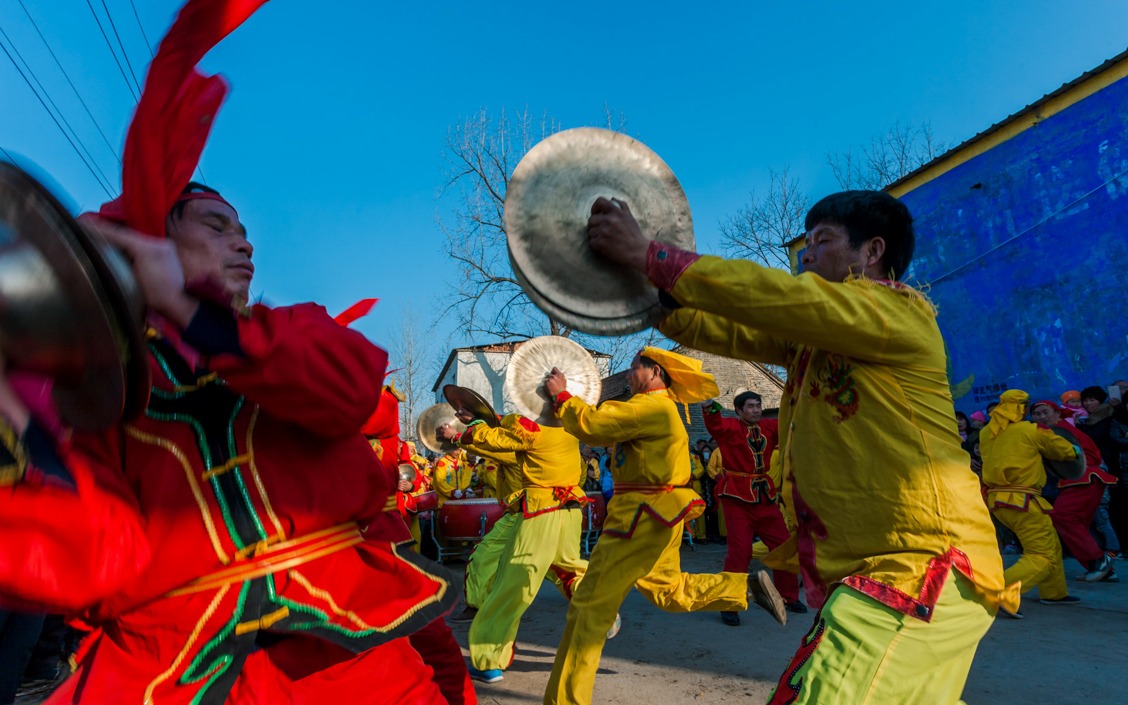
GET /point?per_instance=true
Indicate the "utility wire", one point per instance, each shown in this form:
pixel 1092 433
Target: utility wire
pixel 73 88
pixel 124 53
pixel 142 28
pixel 57 124
pixel 43 90
pixel 111 48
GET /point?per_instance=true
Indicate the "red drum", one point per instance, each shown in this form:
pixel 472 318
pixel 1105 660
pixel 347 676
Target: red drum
pixel 595 512
pixel 468 519
pixel 425 502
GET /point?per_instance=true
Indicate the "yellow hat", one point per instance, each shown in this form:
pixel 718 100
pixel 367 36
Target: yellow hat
pixel 688 383
pixel 1010 410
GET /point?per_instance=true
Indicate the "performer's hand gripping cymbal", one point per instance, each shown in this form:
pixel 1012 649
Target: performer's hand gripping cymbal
pixel 614 233
pixel 554 383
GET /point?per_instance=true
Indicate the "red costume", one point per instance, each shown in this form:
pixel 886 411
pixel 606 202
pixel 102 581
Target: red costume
pixel 232 544
pixel 749 494
pixel 1078 500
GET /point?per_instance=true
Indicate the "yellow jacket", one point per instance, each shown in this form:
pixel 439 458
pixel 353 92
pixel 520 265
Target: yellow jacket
pixel 1014 459
pixel 697 471
pixel 870 455
pixel 503 474
pixel 451 473
pixel 650 459
pixel 716 464
pixel 548 458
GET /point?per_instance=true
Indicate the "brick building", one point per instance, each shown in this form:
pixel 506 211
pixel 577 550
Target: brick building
pixel 733 377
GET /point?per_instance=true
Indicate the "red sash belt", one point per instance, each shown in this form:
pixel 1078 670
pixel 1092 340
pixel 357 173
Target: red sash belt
pixel 279 557
pixel 639 487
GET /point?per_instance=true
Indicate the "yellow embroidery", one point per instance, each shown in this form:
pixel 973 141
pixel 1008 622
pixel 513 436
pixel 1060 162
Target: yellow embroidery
pixel 187 645
pixel 263 622
pixel 258 480
pixel 324 595
pixel 200 382
pixel 171 447
pixel 226 467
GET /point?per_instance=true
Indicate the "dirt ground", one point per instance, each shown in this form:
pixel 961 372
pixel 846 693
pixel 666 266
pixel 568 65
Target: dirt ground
pixel 1060 655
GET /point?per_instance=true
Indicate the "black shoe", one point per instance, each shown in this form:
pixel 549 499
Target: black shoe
pixel 1017 614
pixel 762 591
pixel 467 615
pixel 1067 600
pixel 730 618
pixel 797 607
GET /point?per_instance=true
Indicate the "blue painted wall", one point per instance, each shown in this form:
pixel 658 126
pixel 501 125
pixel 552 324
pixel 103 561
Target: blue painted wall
pixel 1025 248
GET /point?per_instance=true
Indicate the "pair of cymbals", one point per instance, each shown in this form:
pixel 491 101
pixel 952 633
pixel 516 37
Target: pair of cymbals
pixel 70 308
pixel 531 364
pixel 547 205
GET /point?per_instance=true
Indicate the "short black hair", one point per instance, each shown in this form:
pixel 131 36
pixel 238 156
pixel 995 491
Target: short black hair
pixel 1094 393
pixel 992 405
pixel 962 415
pixel 866 215
pixel 651 364
pixel 744 397
pixel 193 187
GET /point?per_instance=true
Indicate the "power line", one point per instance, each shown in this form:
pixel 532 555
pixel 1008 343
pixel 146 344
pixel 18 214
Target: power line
pixel 142 28
pixel 57 124
pixel 73 88
pixel 53 105
pixel 124 54
pixel 111 48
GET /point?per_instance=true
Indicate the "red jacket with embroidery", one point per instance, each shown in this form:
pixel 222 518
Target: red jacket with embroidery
pixel 1093 472
pixel 746 453
pixel 244 498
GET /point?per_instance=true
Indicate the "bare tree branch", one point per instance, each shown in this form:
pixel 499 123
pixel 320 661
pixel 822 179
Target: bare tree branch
pixel 411 351
pixel 889 157
pixel 760 230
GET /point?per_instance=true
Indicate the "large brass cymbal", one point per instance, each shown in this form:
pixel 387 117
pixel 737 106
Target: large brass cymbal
pixel 466 398
pixel 1066 469
pixel 430 420
pixel 69 307
pixel 547 204
pixel 534 359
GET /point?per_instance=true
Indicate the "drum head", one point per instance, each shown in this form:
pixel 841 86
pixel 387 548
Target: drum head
pixel 547 205
pixel 533 360
pixel 1066 469
pixel 464 398
pixel 70 308
pixel 430 420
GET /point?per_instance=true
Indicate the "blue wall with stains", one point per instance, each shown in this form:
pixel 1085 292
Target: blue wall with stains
pixel 1025 251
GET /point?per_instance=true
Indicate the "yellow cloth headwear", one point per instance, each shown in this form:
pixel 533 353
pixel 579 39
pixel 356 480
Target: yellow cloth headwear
pixel 688 384
pixel 1008 411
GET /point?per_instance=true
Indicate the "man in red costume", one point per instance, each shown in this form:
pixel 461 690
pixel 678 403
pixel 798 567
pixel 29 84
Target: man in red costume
pixel 1078 500
pixel 748 493
pixel 231 544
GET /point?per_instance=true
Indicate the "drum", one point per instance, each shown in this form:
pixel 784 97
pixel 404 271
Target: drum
pixel 595 513
pixel 425 502
pixel 468 519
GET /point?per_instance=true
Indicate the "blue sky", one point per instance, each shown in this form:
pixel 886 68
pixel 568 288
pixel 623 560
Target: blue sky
pixel 330 142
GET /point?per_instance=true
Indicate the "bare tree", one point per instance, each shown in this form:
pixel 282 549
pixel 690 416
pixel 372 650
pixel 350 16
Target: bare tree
pixel 411 357
pixel 760 230
pixel 887 158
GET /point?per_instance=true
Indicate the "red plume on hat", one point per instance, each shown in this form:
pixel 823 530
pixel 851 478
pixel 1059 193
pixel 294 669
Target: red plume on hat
pixel 174 116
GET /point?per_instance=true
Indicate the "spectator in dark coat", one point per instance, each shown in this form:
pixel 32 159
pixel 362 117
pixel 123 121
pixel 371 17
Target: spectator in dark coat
pixel 1098 425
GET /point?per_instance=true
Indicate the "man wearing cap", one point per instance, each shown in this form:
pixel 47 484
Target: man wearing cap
pixel 891 536
pixel 1078 499
pixel 747 488
pixel 643 529
pixel 1012 451
pixel 546 536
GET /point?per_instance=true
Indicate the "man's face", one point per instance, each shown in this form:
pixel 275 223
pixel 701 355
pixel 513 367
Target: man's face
pixel 639 378
pixel 1045 415
pixel 213 247
pixel 712 445
pixel 751 412
pixel 1090 404
pixel 830 255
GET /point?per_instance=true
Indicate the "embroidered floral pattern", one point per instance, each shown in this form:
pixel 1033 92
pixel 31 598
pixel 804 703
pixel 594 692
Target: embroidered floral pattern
pixel 840 392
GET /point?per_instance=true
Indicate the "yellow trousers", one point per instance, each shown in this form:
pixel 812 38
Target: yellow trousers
pixel 649 561
pixel 481 569
pixel 860 651
pixel 416 533
pixel 1040 565
pixel 536 546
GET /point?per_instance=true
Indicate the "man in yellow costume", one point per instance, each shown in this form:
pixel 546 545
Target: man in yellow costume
pixel 891 536
pixel 696 473
pixel 546 535
pixel 451 476
pixel 642 534
pixel 1012 451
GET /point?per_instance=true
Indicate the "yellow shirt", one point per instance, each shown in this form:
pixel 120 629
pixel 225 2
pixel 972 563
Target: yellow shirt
pixel 547 456
pixel 504 476
pixel 697 471
pixel 716 465
pixel 451 473
pixel 1014 459
pixel 650 460
pixel 870 455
